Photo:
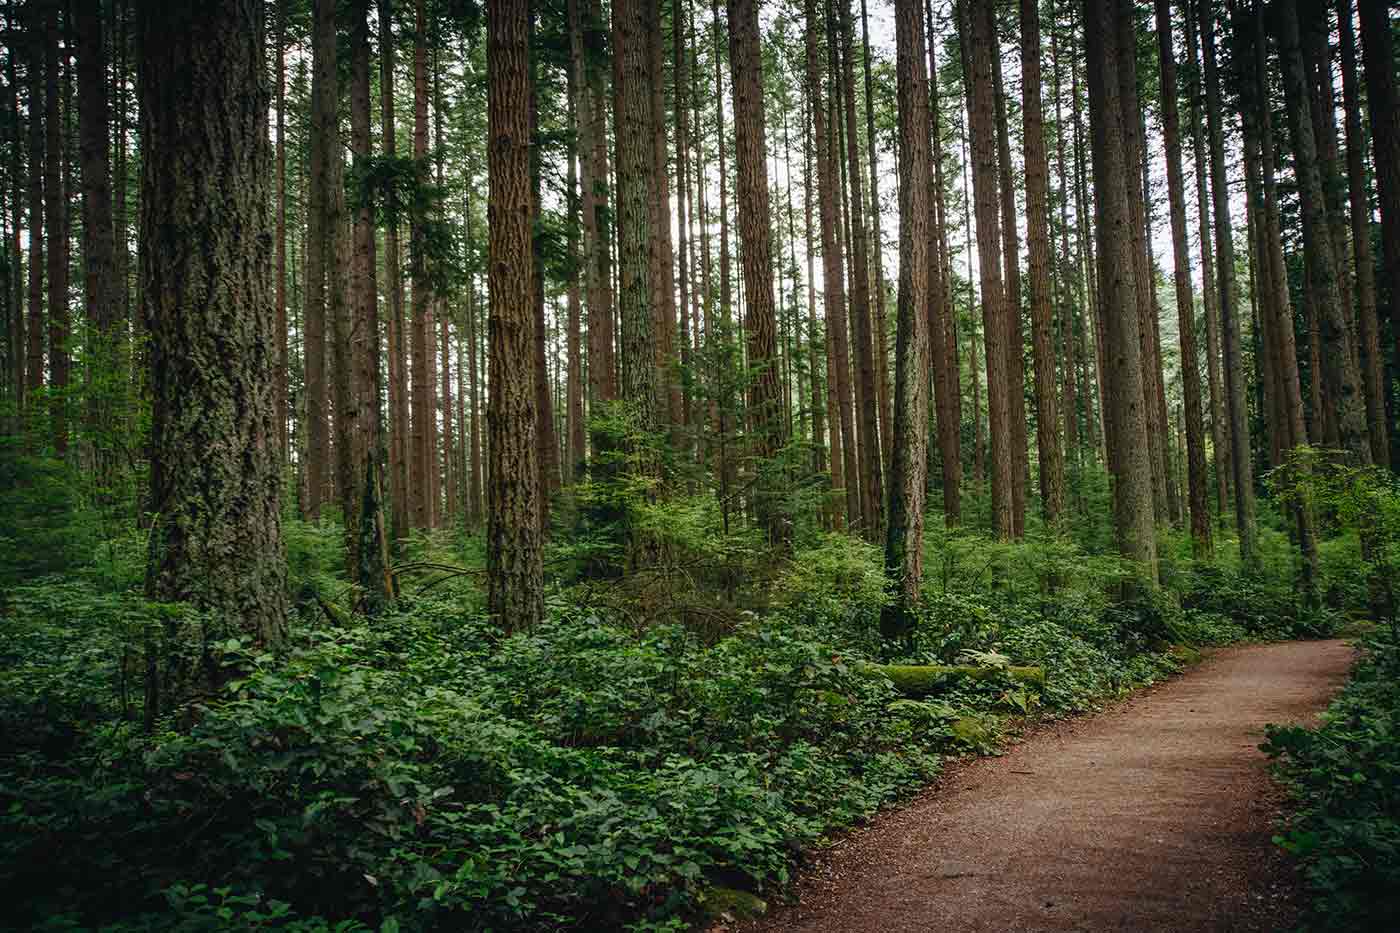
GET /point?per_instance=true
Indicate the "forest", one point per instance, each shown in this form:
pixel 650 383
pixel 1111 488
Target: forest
pixel 566 464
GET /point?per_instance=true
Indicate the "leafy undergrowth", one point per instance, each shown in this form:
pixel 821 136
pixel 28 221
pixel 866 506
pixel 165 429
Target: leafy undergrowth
pixel 1344 777
pixel 421 772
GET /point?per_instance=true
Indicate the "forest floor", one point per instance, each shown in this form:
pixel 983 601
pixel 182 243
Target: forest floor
pixel 1154 815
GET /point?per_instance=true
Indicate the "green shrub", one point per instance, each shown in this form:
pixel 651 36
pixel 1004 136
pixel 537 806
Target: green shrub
pixel 1343 777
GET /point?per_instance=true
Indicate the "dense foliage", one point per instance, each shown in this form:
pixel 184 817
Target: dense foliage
pixel 660 738
pixel 1343 775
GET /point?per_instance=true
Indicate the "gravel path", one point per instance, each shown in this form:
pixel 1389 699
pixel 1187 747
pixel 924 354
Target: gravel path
pixel 1152 816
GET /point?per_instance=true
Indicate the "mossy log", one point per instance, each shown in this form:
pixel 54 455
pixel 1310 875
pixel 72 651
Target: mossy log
pixel 920 680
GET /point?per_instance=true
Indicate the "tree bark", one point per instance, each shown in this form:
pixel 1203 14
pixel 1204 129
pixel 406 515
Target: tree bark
pixel 1383 105
pixel 206 229
pixel 399 454
pixel 514 569
pixel 1014 342
pixel 881 331
pixel 422 464
pixel 1219 424
pixel 1240 464
pixel 942 312
pixel 908 466
pixel 1372 361
pixel 1339 369
pixel 34 366
pixel 1185 298
pixel 862 328
pixel 99 285
pixel 980 20
pixel 1117 266
pixel 755 226
pixel 845 472
pixel 56 222
pixel 1047 420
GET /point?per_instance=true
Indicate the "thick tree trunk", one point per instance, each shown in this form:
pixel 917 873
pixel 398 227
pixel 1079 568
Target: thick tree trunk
pixel 1372 361
pixel 1047 419
pixel 681 78
pixel 514 570
pixel 574 433
pixel 368 546
pixel 908 467
pixel 280 244
pixel 1339 368
pixel 980 20
pixel 1240 464
pixel 1117 266
pixel 1185 297
pixel 1383 105
pixel 755 223
pixel 206 229
pixel 634 214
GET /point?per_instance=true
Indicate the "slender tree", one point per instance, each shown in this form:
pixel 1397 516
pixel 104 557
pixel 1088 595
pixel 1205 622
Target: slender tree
pixel 1047 429
pixel 1185 297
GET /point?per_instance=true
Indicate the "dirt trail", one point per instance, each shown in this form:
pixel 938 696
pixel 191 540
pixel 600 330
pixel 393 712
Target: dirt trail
pixel 1151 816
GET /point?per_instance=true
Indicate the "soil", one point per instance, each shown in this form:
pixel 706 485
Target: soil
pixel 1154 815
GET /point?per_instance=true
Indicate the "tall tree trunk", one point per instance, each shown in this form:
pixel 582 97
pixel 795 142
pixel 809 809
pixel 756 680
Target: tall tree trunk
pixel 862 328
pixel 1229 299
pixel 56 221
pixel 681 77
pixel 474 452
pixel 876 245
pixel 1372 361
pixel 1047 419
pixel 1344 391
pixel 514 568
pixel 34 366
pixel 843 447
pixel 904 540
pixel 361 492
pixel 1128 443
pixel 980 23
pixel 330 245
pixel 206 229
pixel 1185 297
pixel 1014 339
pixel 280 243
pixel 1219 425
pixel 634 214
pixel 399 455
pixel 1134 148
pixel 514 542
pixel 755 223
pixel 15 297
pixel 421 465
pixel 942 312
pixel 662 250
pixel 320 253
pixel 576 450
pixel 1383 105
pixel 1067 274
pixel 99 285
